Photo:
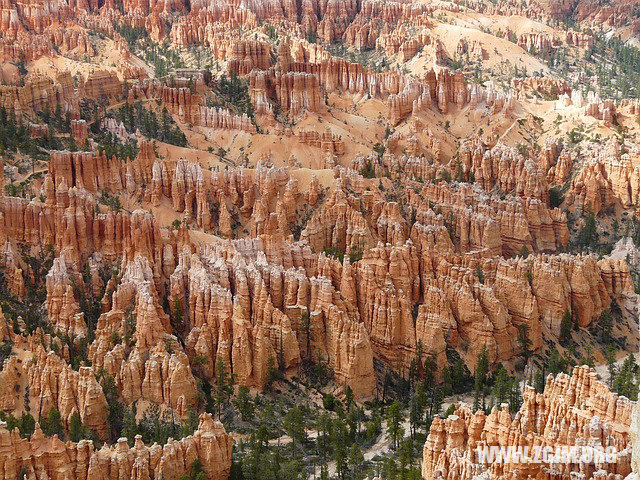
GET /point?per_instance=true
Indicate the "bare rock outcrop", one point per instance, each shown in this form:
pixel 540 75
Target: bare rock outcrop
pixel 53 383
pixel 573 410
pixel 50 457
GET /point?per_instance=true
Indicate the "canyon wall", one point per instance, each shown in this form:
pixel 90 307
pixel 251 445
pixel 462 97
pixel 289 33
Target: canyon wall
pixel 52 458
pixel 573 410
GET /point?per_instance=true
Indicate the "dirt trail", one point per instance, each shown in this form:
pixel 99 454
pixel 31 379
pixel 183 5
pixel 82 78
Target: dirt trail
pixel 382 444
pixel 379 448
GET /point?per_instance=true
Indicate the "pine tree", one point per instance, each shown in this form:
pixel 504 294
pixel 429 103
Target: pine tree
pixel 480 273
pixel 324 428
pixel 539 381
pixel 129 424
pixel 429 370
pixel 446 381
pixel 75 427
pixel 524 341
pixel 460 376
pixel 223 386
pixel 436 397
pixel 610 357
pixel 566 326
pixel 482 369
pixel 305 327
pixel 356 459
pixel 515 402
pixel 53 424
pixel 395 430
pixel 340 442
pixel 556 362
pixel 501 385
pixel 244 404
pixel 272 373
pixel 588 236
pixel 177 317
pixel 354 417
pixel 624 382
pixel 348 398
pixel 27 425
pixel 605 324
pixel 293 424
pixel 417 404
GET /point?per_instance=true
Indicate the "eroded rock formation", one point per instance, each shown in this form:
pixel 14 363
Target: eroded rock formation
pixel 572 410
pixel 49 456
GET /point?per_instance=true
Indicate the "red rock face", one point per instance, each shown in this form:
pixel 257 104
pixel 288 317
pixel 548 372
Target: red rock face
pixel 293 92
pixel 100 82
pixel 505 168
pixel 53 383
pixel 247 55
pixel 217 265
pixel 403 95
pixel 85 170
pixel 359 311
pixel 376 18
pixel 535 42
pixel 64 312
pixel 338 225
pixel 51 457
pixel 609 178
pixel 39 93
pixel 79 131
pixel 69 222
pixel 573 410
pixel 327 142
pixel 615 14
pixel 71 40
pixel 190 107
pixel 583 40
pixel 540 85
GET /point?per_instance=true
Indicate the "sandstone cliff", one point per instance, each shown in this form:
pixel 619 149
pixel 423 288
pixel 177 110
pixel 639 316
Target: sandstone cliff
pixel 49 457
pixel 573 410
